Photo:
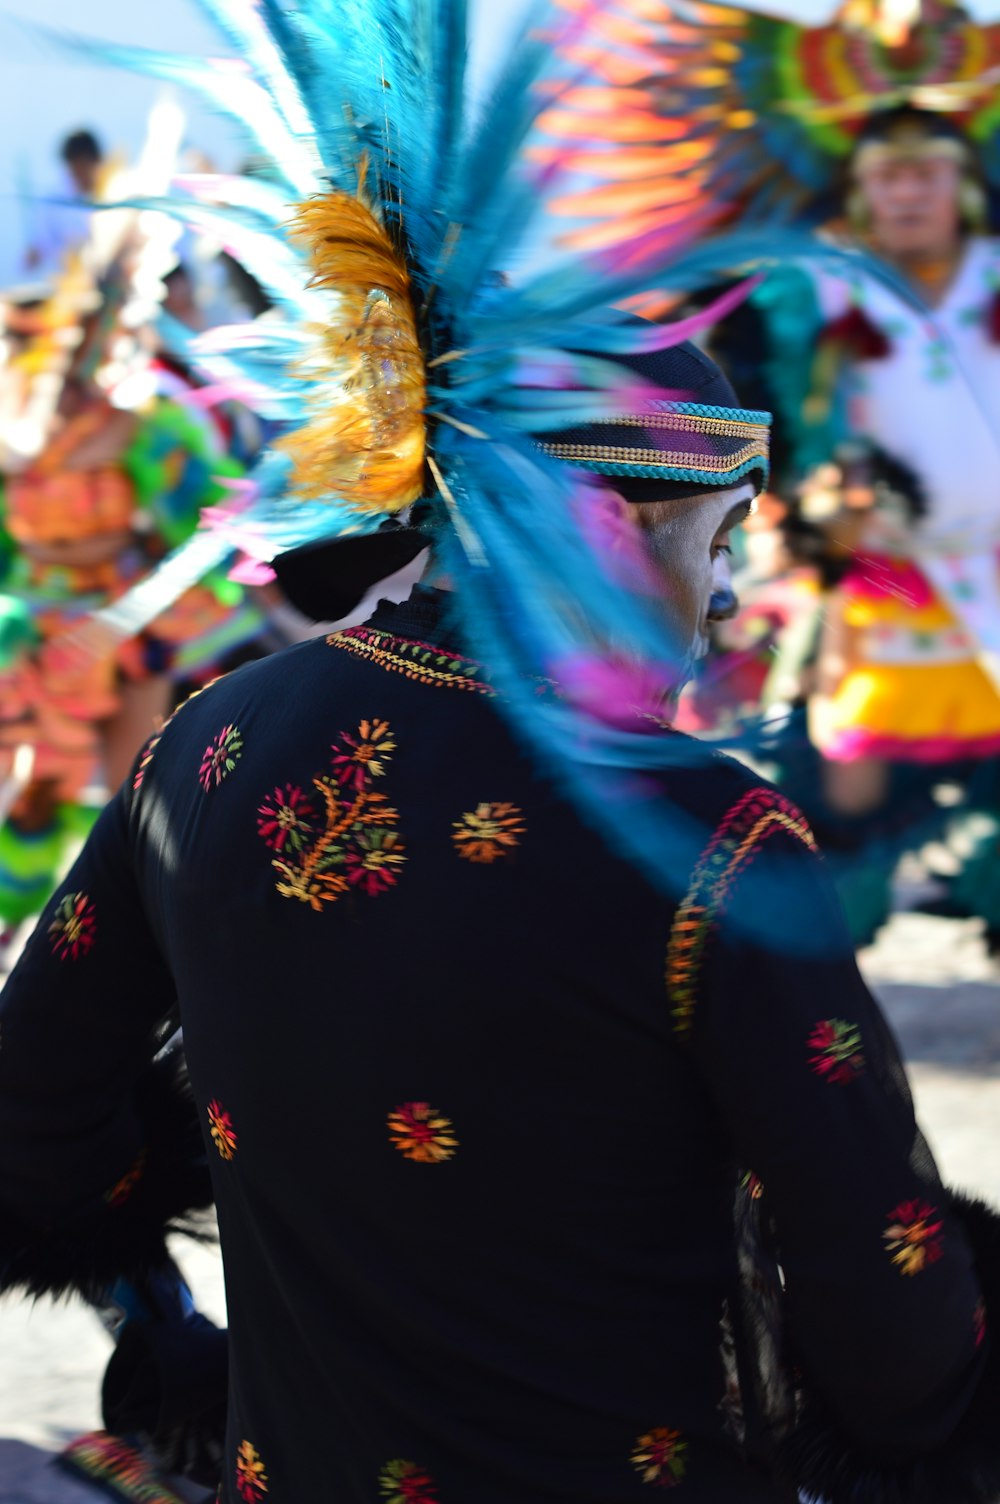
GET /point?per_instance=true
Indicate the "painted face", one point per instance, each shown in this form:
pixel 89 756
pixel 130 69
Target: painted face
pixel 688 541
pixel 912 204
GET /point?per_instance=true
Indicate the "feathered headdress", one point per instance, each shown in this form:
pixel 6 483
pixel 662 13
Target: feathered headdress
pixel 426 350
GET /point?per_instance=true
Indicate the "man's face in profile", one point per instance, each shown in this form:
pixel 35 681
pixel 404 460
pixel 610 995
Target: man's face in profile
pixel 687 540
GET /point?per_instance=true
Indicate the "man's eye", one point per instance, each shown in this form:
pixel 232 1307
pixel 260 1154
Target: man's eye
pixel 721 548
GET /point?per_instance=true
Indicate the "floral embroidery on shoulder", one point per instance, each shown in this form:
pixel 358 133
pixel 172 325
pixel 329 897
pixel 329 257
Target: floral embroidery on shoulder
pixel 224 1135
pixel 342 835
pixel 405 1483
pixel 364 756
pixel 489 832
pixel 421 1133
pixel 659 1458
pixel 122 1189
pixel 752 820
pixel 837 1055
pixel 251 1478
pixel 73 929
pixel 914 1236
pixel 220 757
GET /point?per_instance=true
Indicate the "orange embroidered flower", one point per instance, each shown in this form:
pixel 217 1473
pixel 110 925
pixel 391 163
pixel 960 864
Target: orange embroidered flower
pixel 488 832
pixel 251 1479
pixel 420 1133
pixel 913 1237
pixel 224 1135
pixel 836 1051
pixel 658 1457
pixel 74 928
pixel 221 756
pixel 361 758
pixel 122 1189
pixel 406 1483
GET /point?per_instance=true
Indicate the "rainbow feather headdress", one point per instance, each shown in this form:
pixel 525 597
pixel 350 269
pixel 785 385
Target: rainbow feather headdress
pixel 422 348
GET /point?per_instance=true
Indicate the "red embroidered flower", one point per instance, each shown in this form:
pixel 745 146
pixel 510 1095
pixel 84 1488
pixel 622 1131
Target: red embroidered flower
pixel 74 927
pixel 362 758
pixel 836 1051
pixel 122 1189
pixel 224 1135
pixel 420 1133
pixel 251 1479
pixel 406 1483
pixel 221 756
pixel 286 819
pixel 488 832
pixel 372 860
pixel 658 1457
pixel 914 1237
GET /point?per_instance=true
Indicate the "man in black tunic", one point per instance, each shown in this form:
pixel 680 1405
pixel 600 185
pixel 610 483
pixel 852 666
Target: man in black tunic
pixel 505 1146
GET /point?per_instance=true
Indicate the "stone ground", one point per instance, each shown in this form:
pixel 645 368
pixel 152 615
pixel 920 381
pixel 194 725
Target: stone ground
pixel 942 993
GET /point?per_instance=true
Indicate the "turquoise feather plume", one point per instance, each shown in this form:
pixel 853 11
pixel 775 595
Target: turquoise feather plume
pixel 337 90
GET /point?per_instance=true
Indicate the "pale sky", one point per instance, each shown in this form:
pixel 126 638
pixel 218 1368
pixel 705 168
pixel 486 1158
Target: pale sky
pixel 44 96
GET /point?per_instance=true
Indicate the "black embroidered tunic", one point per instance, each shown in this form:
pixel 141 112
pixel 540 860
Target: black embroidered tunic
pixel 504 1146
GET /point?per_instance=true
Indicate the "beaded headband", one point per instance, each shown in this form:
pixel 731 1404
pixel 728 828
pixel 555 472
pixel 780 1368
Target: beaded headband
pixel 674 441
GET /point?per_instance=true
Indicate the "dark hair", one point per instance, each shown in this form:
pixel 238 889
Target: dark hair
pixel 81 146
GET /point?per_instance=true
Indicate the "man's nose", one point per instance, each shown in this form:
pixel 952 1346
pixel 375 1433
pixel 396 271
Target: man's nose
pixel 723 604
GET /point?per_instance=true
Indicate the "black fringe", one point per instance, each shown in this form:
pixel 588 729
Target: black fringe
pixel 110 1242
pixel 822 1461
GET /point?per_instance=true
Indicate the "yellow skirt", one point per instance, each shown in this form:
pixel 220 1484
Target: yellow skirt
pixel 914 690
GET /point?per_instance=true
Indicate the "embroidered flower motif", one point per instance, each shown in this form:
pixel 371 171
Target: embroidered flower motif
pixel 913 1238
pixel 406 1483
pixel 286 819
pixel 341 839
pixel 658 1457
pixel 372 862
pixel 752 1186
pixel 420 1133
pixel 836 1051
pixel 251 1479
pixel 122 1189
pixel 489 832
pixel 224 1135
pixel 364 756
pixel 221 756
pixel 74 929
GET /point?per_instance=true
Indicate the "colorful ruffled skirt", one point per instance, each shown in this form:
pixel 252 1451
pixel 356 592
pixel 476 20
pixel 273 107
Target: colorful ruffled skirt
pixel 914 690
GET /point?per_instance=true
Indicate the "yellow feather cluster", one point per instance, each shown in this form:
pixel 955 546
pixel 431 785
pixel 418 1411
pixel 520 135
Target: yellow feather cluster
pixel 366 440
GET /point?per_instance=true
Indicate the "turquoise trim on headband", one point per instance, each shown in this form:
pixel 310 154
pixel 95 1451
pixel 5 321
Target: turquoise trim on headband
pixel 716 478
pixel 701 410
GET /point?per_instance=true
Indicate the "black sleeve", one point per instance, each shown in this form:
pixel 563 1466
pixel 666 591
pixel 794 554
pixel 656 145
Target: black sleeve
pixel 889 1281
pixel 100 1150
